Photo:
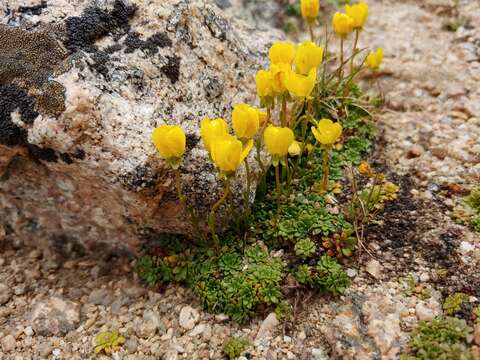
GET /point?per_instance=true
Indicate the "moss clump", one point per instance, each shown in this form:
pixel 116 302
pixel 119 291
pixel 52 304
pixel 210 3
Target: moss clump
pixel 283 311
pixel 453 303
pixel 237 285
pixel 439 339
pixel 473 202
pixel 108 342
pixel 476 314
pixel 233 347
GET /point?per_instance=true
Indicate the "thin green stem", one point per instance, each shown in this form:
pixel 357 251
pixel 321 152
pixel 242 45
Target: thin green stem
pixel 279 190
pixel 283 115
pixel 326 170
pixel 357 33
pixel 212 217
pixel 340 69
pixel 325 57
pixel 288 174
pixel 310 28
pixel 247 192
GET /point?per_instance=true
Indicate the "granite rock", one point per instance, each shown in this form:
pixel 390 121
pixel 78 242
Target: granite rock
pixel 83 84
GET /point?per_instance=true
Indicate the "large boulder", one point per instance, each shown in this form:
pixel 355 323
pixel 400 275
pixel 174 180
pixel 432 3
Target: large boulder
pixel 82 85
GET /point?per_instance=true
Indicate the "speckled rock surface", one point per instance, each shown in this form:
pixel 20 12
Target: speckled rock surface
pixel 82 85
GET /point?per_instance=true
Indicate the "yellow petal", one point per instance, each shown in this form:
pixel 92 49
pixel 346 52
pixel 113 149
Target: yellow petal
pixel 245 121
pixel 300 85
pixel 342 24
pixel 169 140
pixel 282 52
pixel 358 13
pixel 308 56
pixel 246 150
pixel 310 8
pixel 263 81
pixel 210 129
pixel 327 132
pixel 294 149
pixel 278 139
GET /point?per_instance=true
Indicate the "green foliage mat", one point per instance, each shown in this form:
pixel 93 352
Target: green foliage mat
pixel 443 339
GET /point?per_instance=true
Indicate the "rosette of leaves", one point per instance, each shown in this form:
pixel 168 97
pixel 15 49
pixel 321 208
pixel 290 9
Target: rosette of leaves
pixel 341 244
pixel 330 276
pixel 305 248
pixel 233 347
pixel 108 342
pixel 439 339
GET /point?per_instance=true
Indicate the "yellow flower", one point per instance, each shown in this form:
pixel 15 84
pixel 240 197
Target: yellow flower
pixel 228 153
pixel 309 148
pixel 262 117
pixel 169 141
pixel 282 52
pixel 295 148
pixel 210 129
pixel 365 169
pixel 279 73
pixel 309 56
pixel 342 24
pixel 245 121
pixel 278 139
pixel 375 59
pixel 327 132
pixel 300 85
pixel 310 9
pixel 263 81
pixel 358 13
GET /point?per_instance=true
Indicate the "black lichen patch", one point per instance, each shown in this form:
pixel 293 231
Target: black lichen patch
pixel 397 228
pixel 140 178
pixel 150 46
pixel 172 68
pixel 101 63
pixel 33 10
pixel 191 141
pixel 94 23
pixel 217 25
pixel 45 154
pixel 29 59
pixel 66 158
pixel 79 154
pixel 12 99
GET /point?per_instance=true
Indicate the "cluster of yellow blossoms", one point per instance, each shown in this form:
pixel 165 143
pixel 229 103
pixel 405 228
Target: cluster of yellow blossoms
pixel 292 69
pixel 290 78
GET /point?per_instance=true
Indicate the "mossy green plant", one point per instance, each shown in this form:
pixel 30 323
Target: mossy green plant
pixel 453 303
pixel 476 314
pixel 330 277
pixel 233 347
pixel 240 287
pixel 284 311
pixel 473 202
pixel 439 339
pixel 411 287
pixel 303 274
pixel 108 342
pixel 305 248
